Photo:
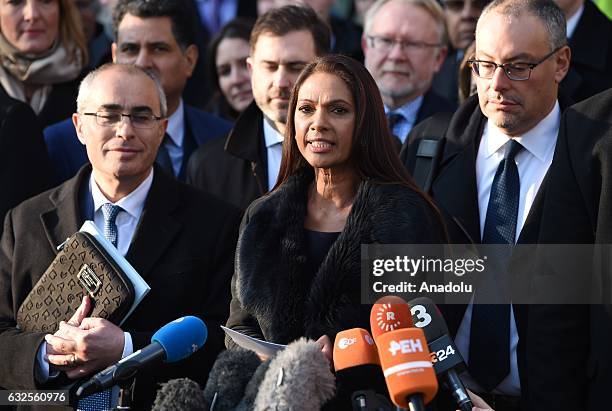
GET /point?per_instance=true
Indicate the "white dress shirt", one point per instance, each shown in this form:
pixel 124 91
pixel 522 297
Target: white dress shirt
pixel 274 151
pixel 532 163
pixel 176 131
pixel 127 220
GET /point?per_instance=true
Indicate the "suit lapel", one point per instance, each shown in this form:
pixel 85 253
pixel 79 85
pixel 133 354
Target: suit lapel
pixel 531 229
pixel 157 227
pixel 455 187
pixel 455 191
pixel 189 144
pixel 246 141
pixel 65 217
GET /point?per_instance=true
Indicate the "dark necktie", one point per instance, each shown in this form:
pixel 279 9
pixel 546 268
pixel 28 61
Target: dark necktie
pixel 392 119
pixel 489 361
pixel 163 157
pixel 102 400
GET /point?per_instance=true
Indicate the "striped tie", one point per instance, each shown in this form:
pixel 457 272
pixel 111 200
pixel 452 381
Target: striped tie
pixel 102 400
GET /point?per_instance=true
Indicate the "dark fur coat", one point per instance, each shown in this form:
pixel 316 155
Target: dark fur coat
pixel 273 294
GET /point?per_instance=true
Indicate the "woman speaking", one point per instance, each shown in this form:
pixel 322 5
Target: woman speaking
pixel 340 185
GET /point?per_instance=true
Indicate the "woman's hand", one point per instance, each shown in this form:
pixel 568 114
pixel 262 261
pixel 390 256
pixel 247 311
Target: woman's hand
pixel 327 349
pixel 479 403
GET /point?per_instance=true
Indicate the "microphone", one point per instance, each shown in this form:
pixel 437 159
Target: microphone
pixel 359 377
pixel 179 394
pixel 388 314
pixel 403 354
pixel 446 358
pixel 173 342
pixel 250 393
pixel 228 378
pixel 297 379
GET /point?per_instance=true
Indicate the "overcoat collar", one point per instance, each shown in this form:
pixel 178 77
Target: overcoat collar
pixel 273 281
pixel 154 233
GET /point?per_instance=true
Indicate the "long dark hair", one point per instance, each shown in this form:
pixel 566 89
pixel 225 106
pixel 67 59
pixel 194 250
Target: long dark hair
pixel 373 154
pixel 238 28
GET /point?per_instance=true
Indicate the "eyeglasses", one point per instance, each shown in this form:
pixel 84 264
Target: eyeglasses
pixel 112 118
pixel 515 71
pixel 385 44
pixel 458 5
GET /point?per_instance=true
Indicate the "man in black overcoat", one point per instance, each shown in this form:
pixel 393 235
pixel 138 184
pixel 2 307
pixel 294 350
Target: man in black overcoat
pixel 181 241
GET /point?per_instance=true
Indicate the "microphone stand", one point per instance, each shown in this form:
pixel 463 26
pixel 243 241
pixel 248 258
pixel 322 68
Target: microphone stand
pixel 126 393
pixel 415 402
pixel 369 400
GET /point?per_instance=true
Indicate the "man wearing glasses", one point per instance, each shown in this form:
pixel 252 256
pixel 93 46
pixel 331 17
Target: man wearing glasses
pixel 157 35
pixel 404 44
pixel 490 182
pixel 180 240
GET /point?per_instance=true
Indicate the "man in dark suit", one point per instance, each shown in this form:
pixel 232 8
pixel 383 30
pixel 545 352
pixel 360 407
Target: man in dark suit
pixel 491 175
pixel 575 370
pixel 155 35
pixel 404 45
pixel 589 34
pixel 25 169
pixel 244 166
pixel 181 241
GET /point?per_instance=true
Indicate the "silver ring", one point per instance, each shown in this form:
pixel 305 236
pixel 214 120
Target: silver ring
pixel 73 361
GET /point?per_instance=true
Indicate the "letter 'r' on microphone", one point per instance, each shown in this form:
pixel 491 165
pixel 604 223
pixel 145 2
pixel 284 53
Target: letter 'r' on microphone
pixel 403 352
pixel 388 314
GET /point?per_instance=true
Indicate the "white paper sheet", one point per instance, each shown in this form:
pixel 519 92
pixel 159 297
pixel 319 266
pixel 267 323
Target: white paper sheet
pixel 261 347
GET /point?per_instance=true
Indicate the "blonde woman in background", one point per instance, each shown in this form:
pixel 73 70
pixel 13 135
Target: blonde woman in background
pixel 42 53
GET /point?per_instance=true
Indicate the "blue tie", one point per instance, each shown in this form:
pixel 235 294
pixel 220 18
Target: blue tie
pixel 489 361
pixel 163 157
pixel 110 212
pixel 393 118
pixel 102 400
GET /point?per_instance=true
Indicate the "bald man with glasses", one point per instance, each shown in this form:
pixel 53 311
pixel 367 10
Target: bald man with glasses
pixel 489 184
pixel 180 240
pixel 404 44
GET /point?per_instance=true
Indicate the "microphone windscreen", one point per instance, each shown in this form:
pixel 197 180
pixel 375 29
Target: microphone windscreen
pixel 427 315
pixel 180 394
pixel 252 388
pixel 229 377
pixel 388 314
pixel 298 379
pixel 181 337
pixel 406 364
